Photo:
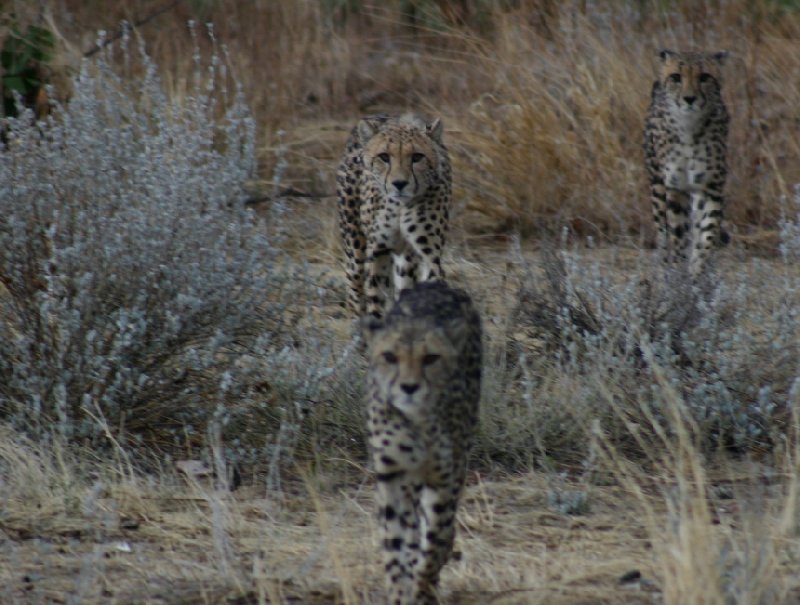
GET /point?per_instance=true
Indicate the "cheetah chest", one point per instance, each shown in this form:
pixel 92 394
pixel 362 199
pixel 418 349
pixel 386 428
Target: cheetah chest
pixel 688 166
pixel 394 226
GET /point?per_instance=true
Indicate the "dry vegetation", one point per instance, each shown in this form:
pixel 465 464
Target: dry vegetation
pixel 543 100
pixel 636 446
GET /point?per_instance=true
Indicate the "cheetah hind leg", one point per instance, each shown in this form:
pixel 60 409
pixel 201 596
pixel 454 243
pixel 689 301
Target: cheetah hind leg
pixel 355 280
pixel 659 204
pixel 378 274
pixel 355 244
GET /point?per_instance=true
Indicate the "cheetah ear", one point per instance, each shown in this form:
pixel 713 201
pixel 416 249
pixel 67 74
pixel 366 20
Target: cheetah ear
pixel 457 330
pixel 665 54
pixel 720 56
pixel 435 130
pixel 366 130
pixel 369 326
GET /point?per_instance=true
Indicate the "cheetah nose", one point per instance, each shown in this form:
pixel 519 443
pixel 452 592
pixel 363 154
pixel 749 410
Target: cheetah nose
pixel 399 185
pixel 689 100
pixel 409 389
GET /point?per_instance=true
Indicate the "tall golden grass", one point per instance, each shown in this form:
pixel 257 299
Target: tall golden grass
pixel 543 101
pixel 719 527
pixel 73 525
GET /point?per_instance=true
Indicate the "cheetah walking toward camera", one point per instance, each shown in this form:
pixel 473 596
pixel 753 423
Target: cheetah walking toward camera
pixel 685 146
pixel 394 188
pixel 424 385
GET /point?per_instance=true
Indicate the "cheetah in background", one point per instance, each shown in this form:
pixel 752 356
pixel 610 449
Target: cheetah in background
pixel 424 385
pixel 685 146
pixel 394 189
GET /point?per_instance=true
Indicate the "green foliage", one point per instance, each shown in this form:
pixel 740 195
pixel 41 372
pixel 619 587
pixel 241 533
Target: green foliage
pixel 24 58
pixel 789 5
pixel 341 10
pixel 201 9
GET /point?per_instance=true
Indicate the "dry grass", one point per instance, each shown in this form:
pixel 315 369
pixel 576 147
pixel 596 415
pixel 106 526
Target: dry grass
pixel 543 104
pixel 677 526
pixel 99 536
pixel 543 101
pixel 724 531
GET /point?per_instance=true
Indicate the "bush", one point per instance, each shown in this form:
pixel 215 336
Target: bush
pixel 133 278
pixel 589 344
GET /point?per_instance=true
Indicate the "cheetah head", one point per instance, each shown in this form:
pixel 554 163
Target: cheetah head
pixel 402 156
pixel 691 80
pixel 413 361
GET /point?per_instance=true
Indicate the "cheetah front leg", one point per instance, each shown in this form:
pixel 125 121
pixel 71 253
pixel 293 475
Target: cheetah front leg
pixel 396 460
pixel 677 226
pixel 397 504
pixel 706 226
pixel 405 270
pixel 438 505
pixel 427 251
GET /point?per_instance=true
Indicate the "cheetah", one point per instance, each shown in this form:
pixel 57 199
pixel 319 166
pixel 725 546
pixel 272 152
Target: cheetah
pixel 394 187
pixel 685 136
pixel 423 395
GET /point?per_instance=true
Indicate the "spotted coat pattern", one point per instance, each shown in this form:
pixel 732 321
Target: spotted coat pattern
pixel 423 394
pixel 394 189
pixel 685 136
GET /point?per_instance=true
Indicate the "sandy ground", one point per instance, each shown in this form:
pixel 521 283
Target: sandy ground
pixel 205 547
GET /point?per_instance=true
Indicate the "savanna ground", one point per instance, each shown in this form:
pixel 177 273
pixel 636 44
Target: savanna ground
pixel 173 323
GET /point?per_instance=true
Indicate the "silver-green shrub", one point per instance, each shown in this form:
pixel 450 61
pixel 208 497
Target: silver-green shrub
pixel 623 349
pixel 132 278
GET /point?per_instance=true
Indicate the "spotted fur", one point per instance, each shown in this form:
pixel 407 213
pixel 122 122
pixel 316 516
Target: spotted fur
pixel 685 136
pixel 394 188
pixel 423 394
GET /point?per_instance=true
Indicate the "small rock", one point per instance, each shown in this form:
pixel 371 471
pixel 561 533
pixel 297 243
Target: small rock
pixel 629 577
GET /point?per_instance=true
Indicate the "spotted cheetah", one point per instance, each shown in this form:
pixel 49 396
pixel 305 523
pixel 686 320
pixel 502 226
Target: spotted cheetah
pixel 394 188
pixel 423 391
pixel 685 146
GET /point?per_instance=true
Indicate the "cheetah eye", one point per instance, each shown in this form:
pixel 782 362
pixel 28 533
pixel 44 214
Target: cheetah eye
pixel 390 357
pixel 675 78
pixel 384 157
pixel 430 359
pixel 704 77
pixel 417 157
